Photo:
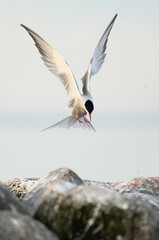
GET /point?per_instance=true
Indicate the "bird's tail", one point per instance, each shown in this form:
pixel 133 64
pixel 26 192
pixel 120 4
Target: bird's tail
pixel 71 121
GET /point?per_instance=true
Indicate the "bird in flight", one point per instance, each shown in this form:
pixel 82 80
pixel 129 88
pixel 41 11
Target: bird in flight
pixel 82 104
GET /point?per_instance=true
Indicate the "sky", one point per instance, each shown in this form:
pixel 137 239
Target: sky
pixel 125 90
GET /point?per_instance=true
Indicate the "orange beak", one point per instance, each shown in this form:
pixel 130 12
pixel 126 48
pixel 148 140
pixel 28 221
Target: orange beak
pixel 90 117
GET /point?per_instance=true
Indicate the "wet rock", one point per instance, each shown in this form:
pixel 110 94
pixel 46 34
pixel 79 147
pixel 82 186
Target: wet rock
pixel 59 180
pixel 20 187
pixel 9 202
pixel 15 226
pixel 89 213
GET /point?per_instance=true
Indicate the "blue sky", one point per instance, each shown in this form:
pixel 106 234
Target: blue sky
pixel 125 90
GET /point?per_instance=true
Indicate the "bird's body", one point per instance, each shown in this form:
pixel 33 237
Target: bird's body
pixel 81 104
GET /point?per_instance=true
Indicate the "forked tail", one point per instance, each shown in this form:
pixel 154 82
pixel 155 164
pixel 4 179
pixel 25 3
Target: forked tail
pixel 71 121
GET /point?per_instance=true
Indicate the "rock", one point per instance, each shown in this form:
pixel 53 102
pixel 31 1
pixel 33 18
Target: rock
pixel 136 183
pixel 146 183
pixel 102 185
pixel 84 209
pixel 146 189
pixel 59 180
pixel 15 226
pixel 89 213
pixel 143 194
pixel 20 187
pixel 9 202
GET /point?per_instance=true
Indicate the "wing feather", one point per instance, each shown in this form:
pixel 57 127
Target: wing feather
pixel 70 122
pixel 57 65
pixel 98 57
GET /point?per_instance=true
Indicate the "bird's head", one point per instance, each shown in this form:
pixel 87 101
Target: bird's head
pixel 89 107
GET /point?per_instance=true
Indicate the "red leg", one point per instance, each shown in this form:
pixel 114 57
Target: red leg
pixel 86 120
pixel 79 120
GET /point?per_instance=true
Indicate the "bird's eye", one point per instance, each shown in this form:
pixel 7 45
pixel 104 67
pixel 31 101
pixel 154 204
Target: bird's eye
pixel 89 106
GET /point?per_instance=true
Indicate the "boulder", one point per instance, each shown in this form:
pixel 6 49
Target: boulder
pixel 9 202
pixel 59 180
pixel 140 182
pixel 146 195
pixel 89 213
pixel 145 188
pixel 79 209
pixel 15 226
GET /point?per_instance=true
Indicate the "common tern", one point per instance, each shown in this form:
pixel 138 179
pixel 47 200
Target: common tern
pixel 82 104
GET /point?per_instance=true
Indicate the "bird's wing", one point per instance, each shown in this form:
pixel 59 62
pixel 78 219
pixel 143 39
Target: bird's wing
pixel 70 122
pixel 98 57
pixel 57 65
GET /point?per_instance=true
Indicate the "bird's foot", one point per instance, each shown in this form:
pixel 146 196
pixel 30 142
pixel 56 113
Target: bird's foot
pixel 86 120
pixel 79 120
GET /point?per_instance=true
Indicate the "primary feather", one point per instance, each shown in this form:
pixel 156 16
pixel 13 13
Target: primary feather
pixel 57 65
pixel 71 121
pixel 98 57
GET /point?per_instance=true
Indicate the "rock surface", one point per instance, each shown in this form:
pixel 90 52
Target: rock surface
pixel 146 189
pixel 136 183
pixel 9 202
pixel 83 209
pixel 15 226
pixel 90 213
pixel 20 187
pixel 56 181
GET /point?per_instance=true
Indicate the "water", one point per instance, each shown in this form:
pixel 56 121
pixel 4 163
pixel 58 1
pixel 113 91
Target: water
pixel 124 146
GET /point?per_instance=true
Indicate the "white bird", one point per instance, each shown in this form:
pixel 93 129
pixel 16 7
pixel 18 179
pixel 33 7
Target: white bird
pixel 82 104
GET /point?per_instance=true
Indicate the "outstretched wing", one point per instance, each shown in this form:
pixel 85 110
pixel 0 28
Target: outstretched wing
pixel 57 65
pixel 98 57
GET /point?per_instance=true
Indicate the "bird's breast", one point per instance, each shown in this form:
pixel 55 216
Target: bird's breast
pixel 79 110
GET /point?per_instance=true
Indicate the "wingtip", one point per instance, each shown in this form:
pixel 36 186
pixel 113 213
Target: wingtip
pixel 22 25
pixel 115 16
pixel 113 20
pixel 26 28
pixel 42 130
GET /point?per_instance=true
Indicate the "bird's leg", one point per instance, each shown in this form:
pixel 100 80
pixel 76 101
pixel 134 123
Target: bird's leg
pixel 86 120
pixel 79 120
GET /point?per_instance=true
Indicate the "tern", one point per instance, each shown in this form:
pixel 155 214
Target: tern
pixel 82 104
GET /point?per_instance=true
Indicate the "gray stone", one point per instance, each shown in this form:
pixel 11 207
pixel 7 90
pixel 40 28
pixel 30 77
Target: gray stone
pixel 59 180
pixel 90 213
pixel 84 209
pixel 146 189
pixel 9 202
pixel 15 226
pixel 146 195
